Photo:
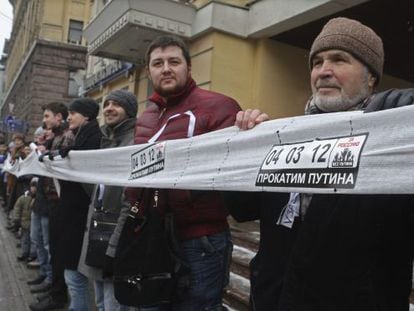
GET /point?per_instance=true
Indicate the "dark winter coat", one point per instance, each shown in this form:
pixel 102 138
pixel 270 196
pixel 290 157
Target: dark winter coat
pixel 353 252
pixel 23 209
pixel 21 184
pixel 43 202
pixel 74 202
pixel 46 195
pixel 112 201
pixel 197 213
pixel 16 186
pixel 62 138
pixel 268 267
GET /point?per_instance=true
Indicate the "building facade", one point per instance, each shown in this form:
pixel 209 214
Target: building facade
pixel 254 51
pixel 46 59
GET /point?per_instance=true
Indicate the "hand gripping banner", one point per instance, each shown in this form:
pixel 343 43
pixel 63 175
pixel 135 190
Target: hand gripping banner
pixel 347 152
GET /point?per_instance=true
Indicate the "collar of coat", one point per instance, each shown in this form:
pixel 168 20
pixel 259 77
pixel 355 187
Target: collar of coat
pixel 83 132
pixel 112 134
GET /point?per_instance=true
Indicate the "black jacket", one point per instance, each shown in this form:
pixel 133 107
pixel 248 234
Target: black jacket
pixel 74 202
pixel 353 252
pixel 267 268
pixel 43 203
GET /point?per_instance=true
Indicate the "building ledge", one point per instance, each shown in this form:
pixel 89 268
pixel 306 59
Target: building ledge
pixel 123 29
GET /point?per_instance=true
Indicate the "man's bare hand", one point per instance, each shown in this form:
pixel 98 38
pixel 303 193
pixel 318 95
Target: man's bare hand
pixel 41 148
pixel 249 118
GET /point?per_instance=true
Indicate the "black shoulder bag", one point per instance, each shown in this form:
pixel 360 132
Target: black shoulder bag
pixel 148 268
pixel 101 228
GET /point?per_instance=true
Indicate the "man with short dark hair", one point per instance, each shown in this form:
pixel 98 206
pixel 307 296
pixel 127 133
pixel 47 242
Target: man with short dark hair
pixel 180 109
pixel 45 221
pixel 352 252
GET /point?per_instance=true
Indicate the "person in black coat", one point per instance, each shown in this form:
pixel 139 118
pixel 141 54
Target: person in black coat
pixel 277 236
pixel 75 199
pixel 354 251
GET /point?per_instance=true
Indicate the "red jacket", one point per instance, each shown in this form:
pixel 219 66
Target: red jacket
pixel 197 213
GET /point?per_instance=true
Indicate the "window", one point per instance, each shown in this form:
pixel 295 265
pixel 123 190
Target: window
pixel 73 86
pixel 75 32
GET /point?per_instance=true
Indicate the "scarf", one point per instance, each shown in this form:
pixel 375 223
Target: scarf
pixel 311 108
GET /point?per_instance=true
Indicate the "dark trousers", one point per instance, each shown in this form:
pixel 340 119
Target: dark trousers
pixel 59 288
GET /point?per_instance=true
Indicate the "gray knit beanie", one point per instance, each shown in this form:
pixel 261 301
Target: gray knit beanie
pixel 126 99
pixel 85 106
pixel 353 37
pixel 39 131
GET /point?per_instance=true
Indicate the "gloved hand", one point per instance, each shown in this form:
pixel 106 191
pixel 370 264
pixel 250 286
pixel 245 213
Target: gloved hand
pixel 47 154
pixel 64 151
pixel 108 267
pixel 392 98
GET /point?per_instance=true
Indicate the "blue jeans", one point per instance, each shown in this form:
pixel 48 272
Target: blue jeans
pixel 27 248
pixel 78 290
pixel 39 234
pixel 104 297
pixel 209 258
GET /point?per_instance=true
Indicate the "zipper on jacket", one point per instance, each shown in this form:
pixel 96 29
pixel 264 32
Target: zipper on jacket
pixel 156 199
pixel 136 279
pixel 96 223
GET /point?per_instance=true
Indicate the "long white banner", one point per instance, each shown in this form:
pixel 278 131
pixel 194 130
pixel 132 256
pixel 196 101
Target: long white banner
pixel 342 152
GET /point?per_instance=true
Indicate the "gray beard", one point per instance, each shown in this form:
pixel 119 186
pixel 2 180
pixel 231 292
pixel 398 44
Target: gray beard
pixel 340 103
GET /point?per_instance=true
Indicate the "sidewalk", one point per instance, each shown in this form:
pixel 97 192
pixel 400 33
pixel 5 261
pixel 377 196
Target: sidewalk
pixel 14 292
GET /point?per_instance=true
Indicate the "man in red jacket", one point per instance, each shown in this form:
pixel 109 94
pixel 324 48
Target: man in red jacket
pixel 180 109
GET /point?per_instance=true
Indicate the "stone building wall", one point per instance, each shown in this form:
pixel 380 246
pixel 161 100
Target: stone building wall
pixel 44 78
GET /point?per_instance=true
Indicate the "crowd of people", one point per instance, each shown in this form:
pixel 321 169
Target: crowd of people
pixel 338 252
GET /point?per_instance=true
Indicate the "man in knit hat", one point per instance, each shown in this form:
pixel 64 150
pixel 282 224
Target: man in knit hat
pixel 120 98
pixel 346 61
pixel 119 112
pixel 337 252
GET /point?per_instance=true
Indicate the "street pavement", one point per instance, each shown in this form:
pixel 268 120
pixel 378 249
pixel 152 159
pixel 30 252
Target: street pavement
pixel 14 292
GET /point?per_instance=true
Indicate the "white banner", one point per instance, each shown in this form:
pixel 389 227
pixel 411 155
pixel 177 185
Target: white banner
pixel 337 152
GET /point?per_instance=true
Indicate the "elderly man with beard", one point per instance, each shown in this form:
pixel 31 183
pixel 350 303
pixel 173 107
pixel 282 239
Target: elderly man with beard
pixel 340 252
